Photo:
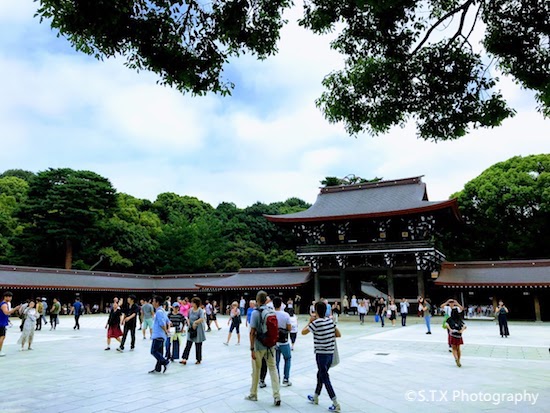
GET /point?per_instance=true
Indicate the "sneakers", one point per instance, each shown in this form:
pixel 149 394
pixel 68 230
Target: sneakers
pixel 108 348
pixel 313 398
pixel 286 383
pixel 262 384
pixel 165 367
pixel 277 401
pixel 225 344
pixel 2 354
pixel 252 398
pixel 429 332
pixel 120 349
pixel 334 408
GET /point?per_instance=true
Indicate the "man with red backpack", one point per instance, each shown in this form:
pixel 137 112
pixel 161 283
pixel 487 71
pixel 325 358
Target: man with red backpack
pixel 264 332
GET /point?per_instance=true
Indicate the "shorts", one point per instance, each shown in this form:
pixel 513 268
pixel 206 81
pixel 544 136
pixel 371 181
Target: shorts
pixel 213 317
pixel 147 323
pixel 234 326
pixel 3 331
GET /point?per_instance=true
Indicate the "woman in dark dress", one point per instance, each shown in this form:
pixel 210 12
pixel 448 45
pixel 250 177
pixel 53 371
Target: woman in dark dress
pixel 113 325
pixel 502 313
pixel 456 327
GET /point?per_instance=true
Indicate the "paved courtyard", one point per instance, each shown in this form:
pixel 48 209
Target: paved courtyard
pixel 390 369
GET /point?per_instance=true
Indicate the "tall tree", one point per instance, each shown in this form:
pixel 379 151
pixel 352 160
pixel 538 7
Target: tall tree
pixel 64 206
pixel 507 212
pixel 405 59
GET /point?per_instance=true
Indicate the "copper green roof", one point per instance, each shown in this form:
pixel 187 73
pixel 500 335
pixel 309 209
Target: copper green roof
pixel 369 200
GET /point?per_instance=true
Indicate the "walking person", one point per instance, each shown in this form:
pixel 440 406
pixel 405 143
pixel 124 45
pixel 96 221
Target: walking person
pixel 289 304
pixel 324 342
pixel 283 346
pixel 147 312
pixel 249 311
pixel 297 304
pixel 353 304
pixel 427 312
pixel 242 303
pixel 336 311
pixel 260 323
pixel 404 311
pixel 293 328
pixel 161 325
pixel 208 312
pixel 345 305
pixel 456 327
pixel 177 322
pixel 140 314
pixel 195 332
pixel 448 307
pixel 215 314
pixel 39 309
pixel 129 322
pixel 502 314
pixel 5 313
pixel 393 312
pixel 420 306
pixel 54 314
pixel 44 311
pixel 27 334
pixel 381 310
pixel 362 311
pixel 113 325
pixel 78 310
pixel 234 322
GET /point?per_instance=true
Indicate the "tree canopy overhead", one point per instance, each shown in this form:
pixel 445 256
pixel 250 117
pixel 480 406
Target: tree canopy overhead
pixel 185 42
pixel 405 59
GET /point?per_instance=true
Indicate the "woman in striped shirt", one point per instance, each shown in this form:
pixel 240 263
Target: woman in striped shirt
pixel 324 339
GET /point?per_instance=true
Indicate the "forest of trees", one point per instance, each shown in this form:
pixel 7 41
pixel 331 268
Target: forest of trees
pixel 76 219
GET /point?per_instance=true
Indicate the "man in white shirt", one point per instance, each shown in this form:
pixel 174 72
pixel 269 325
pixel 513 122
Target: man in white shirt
pixel 283 344
pixel 242 303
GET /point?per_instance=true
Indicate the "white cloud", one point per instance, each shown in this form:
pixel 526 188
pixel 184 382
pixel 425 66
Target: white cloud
pixel 267 143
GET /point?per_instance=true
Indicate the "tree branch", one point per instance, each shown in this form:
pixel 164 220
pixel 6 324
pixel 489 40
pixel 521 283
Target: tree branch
pixel 464 6
pixel 472 29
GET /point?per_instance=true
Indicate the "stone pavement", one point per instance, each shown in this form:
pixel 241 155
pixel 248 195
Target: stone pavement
pixel 390 369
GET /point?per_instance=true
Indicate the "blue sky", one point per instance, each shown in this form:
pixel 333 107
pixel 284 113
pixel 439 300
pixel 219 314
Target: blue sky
pixel 267 142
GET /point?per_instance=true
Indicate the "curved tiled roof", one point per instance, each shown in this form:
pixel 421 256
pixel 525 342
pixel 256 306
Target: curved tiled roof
pixel 59 279
pixel 369 200
pixel 261 278
pixel 15 277
pixel 495 273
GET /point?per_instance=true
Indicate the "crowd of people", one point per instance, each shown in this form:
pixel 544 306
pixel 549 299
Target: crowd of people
pixel 32 314
pixel 272 329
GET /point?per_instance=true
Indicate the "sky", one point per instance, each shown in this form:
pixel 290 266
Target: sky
pixel 265 143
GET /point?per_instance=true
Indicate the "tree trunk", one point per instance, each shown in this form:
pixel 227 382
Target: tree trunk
pixel 68 254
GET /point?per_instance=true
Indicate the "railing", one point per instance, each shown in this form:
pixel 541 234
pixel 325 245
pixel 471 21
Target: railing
pixel 371 247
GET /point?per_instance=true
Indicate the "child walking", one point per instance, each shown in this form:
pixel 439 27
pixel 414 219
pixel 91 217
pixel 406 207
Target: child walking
pixel 324 341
